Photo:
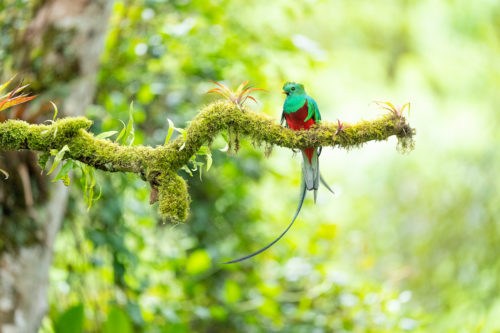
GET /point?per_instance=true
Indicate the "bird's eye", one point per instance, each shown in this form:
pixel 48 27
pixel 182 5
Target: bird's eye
pixel 293 88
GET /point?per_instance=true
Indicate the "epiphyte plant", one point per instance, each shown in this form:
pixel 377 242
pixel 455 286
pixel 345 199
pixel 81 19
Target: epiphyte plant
pixel 238 96
pixel 14 97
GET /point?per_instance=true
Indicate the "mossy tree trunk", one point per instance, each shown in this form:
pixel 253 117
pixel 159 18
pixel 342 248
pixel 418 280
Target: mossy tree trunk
pixel 59 53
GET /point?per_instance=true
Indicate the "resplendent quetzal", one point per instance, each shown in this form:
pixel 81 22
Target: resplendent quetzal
pixel 300 112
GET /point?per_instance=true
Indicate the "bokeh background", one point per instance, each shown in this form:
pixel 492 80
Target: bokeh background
pixel 409 242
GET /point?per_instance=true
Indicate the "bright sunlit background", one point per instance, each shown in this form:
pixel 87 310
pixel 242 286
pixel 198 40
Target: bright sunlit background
pixel 409 242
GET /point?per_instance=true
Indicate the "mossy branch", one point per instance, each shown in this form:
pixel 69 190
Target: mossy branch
pixel 159 165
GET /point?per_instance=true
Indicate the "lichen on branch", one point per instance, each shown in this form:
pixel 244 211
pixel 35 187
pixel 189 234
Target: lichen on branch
pixel 159 166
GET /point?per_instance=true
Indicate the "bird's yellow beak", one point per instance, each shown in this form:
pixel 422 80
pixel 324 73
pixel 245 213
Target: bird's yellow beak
pixel 283 92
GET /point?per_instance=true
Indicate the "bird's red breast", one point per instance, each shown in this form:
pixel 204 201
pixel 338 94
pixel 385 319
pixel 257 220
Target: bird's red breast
pixel 295 121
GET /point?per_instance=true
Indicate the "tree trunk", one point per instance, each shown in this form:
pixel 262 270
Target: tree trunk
pixel 59 54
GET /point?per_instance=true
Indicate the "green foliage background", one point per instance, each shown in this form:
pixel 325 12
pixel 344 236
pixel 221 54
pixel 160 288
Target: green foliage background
pixel 409 242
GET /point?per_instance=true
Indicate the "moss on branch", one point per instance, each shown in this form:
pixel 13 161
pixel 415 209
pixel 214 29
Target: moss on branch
pixel 159 165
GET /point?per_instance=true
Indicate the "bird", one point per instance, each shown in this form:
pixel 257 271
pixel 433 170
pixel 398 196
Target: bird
pixel 300 112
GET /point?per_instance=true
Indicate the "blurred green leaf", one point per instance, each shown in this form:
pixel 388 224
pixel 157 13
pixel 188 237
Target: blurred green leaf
pixel 58 158
pixel 55 110
pixel 88 183
pixel 117 321
pixel 232 291
pixel 170 130
pixel 105 135
pixel 129 134
pixel 71 321
pixel 198 262
pixel 209 160
pixel 122 132
pixel 63 172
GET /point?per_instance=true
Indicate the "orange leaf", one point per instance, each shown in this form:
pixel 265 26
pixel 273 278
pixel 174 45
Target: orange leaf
pixel 221 93
pixel 253 99
pixel 222 86
pixel 15 101
pixel 242 85
pixel 213 90
pixel 19 89
pixel 256 89
pixel 386 103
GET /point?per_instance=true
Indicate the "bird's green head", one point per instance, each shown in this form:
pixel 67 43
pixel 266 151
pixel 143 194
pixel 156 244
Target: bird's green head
pixel 292 88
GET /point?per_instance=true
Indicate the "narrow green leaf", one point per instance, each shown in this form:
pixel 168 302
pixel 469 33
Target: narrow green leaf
pixel 90 194
pixel 209 160
pixel 3 86
pixel 84 182
pixel 55 110
pixel 225 149
pixel 88 182
pixel 122 132
pixel 202 151
pixel 129 133
pixel 58 158
pixel 188 171
pixel 105 135
pixel 91 198
pixel 65 169
pixel 90 186
pixel 184 136
pixel 100 193
pixel 170 130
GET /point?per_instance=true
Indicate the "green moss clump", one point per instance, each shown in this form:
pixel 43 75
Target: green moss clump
pixel 13 135
pixel 173 196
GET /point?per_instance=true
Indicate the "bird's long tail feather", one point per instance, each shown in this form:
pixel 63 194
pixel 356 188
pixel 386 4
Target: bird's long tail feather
pixel 302 197
pixel 325 184
pixel 310 170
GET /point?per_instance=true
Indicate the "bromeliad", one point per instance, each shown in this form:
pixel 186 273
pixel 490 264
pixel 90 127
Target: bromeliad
pixel 300 112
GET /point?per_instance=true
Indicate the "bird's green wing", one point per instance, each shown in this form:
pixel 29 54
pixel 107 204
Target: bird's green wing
pixel 283 119
pixel 313 110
